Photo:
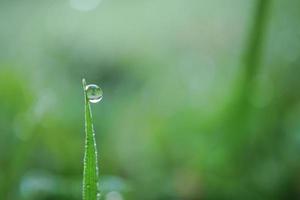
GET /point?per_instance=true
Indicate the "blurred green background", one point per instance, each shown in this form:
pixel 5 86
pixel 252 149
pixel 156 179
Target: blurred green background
pixel 201 98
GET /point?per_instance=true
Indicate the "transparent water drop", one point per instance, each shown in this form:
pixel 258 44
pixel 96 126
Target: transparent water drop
pixel 94 93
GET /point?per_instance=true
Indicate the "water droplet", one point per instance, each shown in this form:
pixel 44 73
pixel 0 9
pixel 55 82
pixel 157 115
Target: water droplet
pixel 94 93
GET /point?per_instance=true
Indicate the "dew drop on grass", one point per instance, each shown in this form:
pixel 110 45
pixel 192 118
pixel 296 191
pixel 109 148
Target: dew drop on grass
pixel 94 93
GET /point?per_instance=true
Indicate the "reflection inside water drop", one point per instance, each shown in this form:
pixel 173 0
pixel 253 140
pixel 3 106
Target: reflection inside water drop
pixel 94 93
pixel 114 195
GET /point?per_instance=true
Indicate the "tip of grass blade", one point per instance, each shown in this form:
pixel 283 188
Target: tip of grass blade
pixel 90 168
pixel 84 87
pixel 83 82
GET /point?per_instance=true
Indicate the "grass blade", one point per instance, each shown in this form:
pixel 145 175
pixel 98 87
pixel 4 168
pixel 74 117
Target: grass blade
pixel 90 168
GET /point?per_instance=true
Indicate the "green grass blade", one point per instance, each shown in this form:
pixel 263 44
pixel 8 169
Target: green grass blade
pixel 90 168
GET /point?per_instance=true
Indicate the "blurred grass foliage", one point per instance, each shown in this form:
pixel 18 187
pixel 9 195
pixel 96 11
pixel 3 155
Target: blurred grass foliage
pixel 179 119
